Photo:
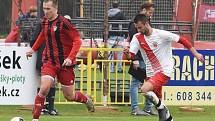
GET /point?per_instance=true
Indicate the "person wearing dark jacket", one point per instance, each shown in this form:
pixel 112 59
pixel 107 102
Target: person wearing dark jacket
pixel 137 68
pixel 116 36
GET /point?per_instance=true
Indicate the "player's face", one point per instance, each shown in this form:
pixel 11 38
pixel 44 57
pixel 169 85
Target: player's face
pixel 141 28
pixel 148 12
pixel 50 10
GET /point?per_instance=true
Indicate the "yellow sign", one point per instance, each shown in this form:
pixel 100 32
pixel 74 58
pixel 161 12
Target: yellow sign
pixel 189 95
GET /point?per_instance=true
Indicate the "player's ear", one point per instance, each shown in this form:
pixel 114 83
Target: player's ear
pixel 147 24
pixel 144 10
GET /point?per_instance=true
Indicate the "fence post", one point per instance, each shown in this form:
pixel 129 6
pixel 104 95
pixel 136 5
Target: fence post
pixel 89 62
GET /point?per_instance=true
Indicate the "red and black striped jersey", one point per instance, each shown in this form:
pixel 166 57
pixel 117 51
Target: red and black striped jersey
pixel 62 41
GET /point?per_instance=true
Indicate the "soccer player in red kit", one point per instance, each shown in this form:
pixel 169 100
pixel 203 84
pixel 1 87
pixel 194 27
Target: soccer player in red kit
pixel 155 48
pixel 62 45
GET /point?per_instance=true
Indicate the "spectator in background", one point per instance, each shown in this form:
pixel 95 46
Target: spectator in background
pixel 14 34
pixel 137 68
pixel 116 36
pixel 31 14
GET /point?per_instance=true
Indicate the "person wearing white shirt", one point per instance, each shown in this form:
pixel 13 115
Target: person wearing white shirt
pixel 155 48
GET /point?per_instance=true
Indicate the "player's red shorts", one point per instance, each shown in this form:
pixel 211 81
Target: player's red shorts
pixel 158 80
pixel 65 76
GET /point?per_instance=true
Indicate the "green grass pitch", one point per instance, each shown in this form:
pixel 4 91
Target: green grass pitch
pixel 78 112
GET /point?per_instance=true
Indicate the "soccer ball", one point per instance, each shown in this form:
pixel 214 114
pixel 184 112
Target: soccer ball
pixel 17 119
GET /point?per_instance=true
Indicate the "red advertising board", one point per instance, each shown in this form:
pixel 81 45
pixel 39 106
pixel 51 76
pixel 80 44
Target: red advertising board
pixel 206 13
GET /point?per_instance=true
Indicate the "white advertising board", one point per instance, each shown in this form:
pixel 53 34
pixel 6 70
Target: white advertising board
pixel 18 78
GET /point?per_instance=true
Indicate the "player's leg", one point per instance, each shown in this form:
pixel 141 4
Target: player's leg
pixel 46 82
pixel 148 107
pixel 152 91
pixel 135 84
pixel 48 73
pixel 66 78
pixel 50 101
pixel 164 114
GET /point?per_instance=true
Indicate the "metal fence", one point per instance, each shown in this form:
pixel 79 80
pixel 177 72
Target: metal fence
pixel 69 7
pixel 118 84
pixel 206 29
pixel 93 28
pixel 5 16
pixel 163 10
pixel 95 8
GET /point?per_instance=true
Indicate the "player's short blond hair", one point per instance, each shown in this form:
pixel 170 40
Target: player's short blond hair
pixel 32 9
pixel 55 2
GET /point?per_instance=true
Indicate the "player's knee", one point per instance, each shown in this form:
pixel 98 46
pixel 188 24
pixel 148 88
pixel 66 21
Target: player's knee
pixel 147 87
pixel 44 90
pixel 144 90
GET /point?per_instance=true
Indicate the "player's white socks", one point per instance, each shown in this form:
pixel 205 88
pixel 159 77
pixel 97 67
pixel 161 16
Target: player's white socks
pixel 164 114
pixel 154 99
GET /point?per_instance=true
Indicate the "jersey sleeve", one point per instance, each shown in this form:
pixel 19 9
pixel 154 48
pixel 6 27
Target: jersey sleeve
pixel 168 36
pixel 39 41
pixel 185 42
pixel 74 37
pixel 134 45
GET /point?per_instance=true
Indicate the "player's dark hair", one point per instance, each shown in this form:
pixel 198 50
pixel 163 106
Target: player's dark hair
pixel 141 18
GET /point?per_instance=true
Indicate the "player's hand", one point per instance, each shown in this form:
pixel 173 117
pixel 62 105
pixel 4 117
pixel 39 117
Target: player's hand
pixel 29 53
pixel 126 49
pixel 67 62
pixel 200 57
pixel 126 52
pixel 136 64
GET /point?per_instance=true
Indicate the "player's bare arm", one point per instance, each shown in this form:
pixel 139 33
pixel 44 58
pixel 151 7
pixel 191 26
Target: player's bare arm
pixel 198 56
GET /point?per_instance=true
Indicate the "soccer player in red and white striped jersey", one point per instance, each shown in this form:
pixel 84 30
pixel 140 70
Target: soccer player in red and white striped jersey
pixel 155 48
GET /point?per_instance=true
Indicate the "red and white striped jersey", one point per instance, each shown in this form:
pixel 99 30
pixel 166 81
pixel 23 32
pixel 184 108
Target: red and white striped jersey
pixel 156 50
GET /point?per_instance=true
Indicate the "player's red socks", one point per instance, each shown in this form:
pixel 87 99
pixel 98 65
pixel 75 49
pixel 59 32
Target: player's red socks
pixel 79 97
pixel 38 105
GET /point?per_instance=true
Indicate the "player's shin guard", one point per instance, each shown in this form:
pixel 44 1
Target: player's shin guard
pixel 154 99
pixel 38 105
pixel 79 97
